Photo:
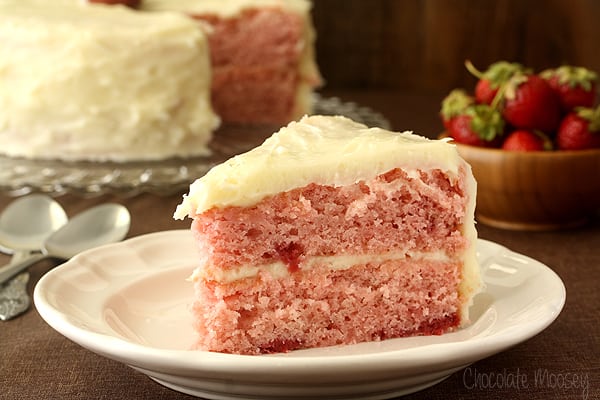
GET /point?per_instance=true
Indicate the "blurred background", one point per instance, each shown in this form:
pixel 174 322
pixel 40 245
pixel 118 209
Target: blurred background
pixel 422 44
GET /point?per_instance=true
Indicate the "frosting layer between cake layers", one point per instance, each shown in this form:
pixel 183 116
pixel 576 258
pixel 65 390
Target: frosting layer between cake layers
pixel 102 83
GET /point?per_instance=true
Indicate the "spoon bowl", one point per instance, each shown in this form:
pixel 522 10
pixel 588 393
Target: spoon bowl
pixel 103 224
pixel 106 223
pixel 27 222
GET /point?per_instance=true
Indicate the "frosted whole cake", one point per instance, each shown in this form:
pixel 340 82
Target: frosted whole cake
pixel 81 80
pixel 99 82
pixel 332 233
pixel 262 55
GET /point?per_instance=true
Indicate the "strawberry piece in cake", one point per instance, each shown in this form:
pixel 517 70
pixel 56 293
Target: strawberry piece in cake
pixel 332 233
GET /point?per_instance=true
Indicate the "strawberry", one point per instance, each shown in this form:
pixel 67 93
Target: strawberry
pixel 575 86
pixel 490 80
pixel 530 103
pixel 453 105
pixel 579 130
pixel 478 125
pixel 525 140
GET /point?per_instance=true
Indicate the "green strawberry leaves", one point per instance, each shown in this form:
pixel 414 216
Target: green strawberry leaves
pixel 486 122
pixel 572 76
pixel 497 73
pixel 455 103
pixel 592 115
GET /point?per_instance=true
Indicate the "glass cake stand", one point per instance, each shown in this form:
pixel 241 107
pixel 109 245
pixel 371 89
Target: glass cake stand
pixel 22 176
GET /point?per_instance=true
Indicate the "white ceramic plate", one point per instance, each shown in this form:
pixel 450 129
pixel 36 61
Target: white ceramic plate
pixel 129 302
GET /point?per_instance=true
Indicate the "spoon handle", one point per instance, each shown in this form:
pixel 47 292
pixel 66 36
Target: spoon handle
pixel 13 269
pixel 14 299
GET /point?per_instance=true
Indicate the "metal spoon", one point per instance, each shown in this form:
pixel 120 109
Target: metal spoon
pixel 24 226
pixel 27 222
pixel 106 223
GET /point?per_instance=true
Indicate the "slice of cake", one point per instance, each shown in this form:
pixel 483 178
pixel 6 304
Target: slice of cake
pixel 262 56
pixel 95 82
pixel 332 233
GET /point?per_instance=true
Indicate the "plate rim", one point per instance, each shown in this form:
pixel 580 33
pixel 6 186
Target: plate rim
pixel 202 364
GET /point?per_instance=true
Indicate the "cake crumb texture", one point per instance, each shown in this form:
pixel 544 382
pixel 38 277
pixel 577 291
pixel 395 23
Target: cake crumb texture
pixel 422 211
pixel 416 215
pixel 256 59
pixel 325 307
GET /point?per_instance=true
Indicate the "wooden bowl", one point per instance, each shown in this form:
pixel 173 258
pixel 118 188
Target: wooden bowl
pixel 535 190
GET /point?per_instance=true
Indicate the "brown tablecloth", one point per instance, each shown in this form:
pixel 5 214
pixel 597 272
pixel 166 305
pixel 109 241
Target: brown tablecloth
pixel 36 362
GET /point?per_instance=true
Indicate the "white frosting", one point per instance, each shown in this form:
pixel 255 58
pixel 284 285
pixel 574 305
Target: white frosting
pixel 102 82
pixel 223 8
pixel 317 149
pixel 340 262
pixel 471 282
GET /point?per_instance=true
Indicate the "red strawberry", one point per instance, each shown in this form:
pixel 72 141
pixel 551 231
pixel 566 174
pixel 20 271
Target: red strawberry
pixel 490 80
pixel 579 130
pixel 576 86
pixel 484 92
pixel 524 140
pixel 460 130
pixel 479 125
pixel 530 103
pixel 453 105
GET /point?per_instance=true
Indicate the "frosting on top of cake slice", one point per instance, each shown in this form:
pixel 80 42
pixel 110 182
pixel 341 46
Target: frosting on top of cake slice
pixel 325 150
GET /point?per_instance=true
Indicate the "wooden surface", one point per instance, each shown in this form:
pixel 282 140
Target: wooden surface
pixel 422 44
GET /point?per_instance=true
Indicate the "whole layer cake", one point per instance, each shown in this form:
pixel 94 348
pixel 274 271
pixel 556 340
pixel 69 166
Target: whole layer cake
pixel 332 233
pixel 102 83
pixel 262 55
pixel 87 81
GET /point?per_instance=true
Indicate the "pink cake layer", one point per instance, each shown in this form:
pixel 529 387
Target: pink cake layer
pixel 323 307
pixel 393 211
pixel 415 216
pixel 255 59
